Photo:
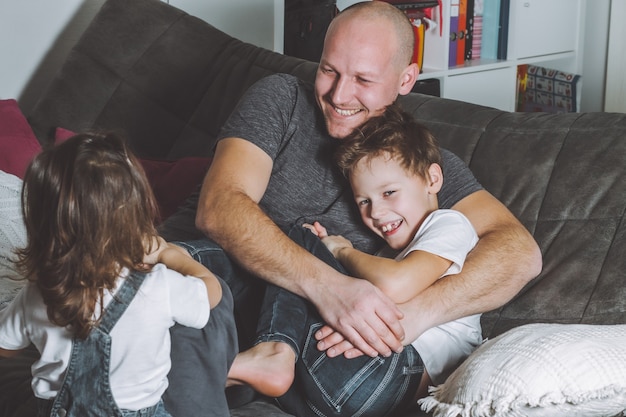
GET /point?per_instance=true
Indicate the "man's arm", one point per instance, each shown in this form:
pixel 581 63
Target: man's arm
pixel 228 212
pixel 6 353
pixel 504 260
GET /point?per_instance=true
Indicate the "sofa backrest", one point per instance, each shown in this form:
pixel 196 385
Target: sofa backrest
pixel 564 177
pixel 169 80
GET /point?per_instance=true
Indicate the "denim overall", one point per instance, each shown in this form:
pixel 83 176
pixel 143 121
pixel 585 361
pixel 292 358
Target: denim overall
pixel 86 389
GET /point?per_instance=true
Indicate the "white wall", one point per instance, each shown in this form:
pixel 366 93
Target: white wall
pixel 36 35
pixel 594 55
pixel 250 21
pixel 616 75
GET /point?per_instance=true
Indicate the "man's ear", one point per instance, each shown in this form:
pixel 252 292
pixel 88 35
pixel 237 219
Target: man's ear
pixel 408 79
pixel 435 178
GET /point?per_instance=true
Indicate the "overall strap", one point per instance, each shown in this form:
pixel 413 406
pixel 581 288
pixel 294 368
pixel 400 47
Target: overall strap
pixel 120 301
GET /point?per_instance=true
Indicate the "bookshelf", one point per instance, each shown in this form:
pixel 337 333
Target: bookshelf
pixel 540 32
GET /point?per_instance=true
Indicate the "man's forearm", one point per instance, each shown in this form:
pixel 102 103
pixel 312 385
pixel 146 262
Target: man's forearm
pixel 260 246
pixel 498 267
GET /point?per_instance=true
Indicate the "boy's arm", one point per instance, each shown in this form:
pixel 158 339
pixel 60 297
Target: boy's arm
pixel 396 279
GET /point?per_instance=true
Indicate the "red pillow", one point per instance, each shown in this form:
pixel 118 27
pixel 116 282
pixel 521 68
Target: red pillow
pixel 171 181
pixel 174 181
pixel 18 143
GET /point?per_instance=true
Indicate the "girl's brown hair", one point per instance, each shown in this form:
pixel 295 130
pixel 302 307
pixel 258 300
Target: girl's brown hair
pixel 394 133
pixel 89 212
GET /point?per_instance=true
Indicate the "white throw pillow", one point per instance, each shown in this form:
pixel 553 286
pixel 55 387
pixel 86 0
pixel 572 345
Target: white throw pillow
pixel 12 235
pixel 564 370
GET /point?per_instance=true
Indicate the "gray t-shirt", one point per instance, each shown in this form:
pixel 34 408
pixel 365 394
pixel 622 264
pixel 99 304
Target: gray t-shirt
pixel 279 115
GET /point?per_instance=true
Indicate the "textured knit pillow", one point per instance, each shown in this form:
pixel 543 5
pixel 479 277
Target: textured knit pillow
pixel 12 235
pixel 539 370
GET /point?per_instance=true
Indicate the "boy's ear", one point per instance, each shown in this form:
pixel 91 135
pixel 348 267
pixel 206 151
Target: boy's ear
pixel 436 178
pixel 409 77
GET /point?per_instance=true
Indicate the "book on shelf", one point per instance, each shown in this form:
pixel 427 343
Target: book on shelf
pixel 419 30
pixel 421 14
pixel 461 33
pixel 490 29
pixel 454 29
pixel 541 89
pixel 477 30
pixel 503 29
pixel 469 31
pixel 416 4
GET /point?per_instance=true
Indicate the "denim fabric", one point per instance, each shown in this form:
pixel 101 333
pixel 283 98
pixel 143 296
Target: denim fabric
pixel 284 316
pixel 200 363
pixel 157 410
pixel 86 389
pixel 247 290
pixel 361 386
pixel 338 386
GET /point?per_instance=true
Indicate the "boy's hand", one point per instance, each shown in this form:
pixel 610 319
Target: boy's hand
pixel 336 243
pixel 335 344
pixel 317 229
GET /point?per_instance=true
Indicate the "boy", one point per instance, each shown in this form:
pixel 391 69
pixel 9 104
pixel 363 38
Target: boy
pixel 394 168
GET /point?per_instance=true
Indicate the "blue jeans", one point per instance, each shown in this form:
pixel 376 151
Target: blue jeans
pixel 337 386
pixel 157 410
pixel 246 289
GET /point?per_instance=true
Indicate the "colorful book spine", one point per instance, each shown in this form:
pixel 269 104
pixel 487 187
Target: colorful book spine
pixel 461 33
pixel 469 32
pixel 454 28
pixel 503 29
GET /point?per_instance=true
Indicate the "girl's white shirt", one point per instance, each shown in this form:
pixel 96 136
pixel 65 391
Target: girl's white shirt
pixel 140 347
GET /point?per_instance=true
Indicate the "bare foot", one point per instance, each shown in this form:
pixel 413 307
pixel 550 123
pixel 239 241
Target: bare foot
pixel 268 367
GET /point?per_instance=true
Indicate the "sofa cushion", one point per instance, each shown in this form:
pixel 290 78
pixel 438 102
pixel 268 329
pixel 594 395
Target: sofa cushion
pixel 539 370
pixel 18 144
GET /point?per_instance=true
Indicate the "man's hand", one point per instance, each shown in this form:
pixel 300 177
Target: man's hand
pixel 334 243
pixel 363 315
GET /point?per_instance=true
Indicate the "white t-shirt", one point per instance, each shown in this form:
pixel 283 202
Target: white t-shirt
pixel 140 346
pixel 450 235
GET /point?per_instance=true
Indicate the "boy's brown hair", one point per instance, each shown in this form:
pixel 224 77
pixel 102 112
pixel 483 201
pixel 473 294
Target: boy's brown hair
pixel 394 133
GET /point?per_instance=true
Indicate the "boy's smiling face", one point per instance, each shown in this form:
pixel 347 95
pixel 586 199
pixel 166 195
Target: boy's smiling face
pixel 394 202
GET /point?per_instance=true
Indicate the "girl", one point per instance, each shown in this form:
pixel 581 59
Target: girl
pixel 99 300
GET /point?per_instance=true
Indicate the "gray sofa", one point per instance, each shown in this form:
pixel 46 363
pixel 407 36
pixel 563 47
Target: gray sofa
pixel 169 80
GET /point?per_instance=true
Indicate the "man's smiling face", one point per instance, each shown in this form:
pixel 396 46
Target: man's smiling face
pixel 357 76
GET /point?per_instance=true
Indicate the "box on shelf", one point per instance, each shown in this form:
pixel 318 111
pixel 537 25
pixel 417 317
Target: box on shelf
pixel 547 90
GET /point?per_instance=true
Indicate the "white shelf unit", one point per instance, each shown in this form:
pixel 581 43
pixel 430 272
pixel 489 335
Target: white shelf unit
pixel 541 32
